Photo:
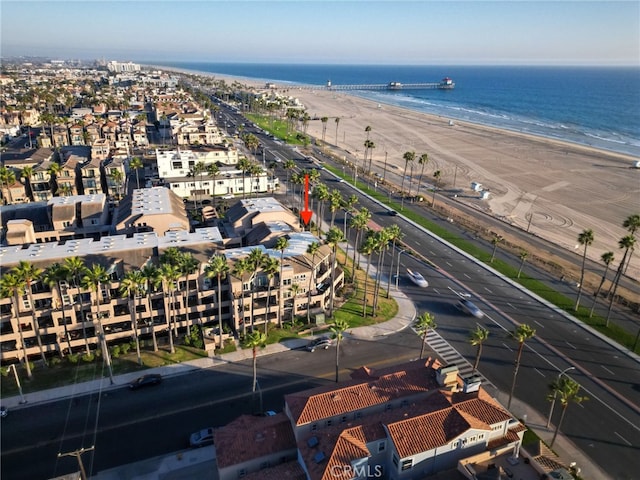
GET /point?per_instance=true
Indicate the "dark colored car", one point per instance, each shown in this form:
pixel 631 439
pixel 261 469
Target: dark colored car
pixel 146 381
pixel 323 343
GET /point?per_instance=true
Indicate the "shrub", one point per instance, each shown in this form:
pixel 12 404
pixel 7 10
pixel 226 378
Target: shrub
pixel 88 357
pixel 4 371
pixel 124 348
pixel 55 361
pixel 115 351
pixel 73 358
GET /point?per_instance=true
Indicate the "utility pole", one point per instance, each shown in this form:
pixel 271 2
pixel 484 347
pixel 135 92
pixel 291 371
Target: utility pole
pixel 77 454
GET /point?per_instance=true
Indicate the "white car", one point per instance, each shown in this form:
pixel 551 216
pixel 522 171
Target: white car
pixel 469 308
pixel 202 437
pixel 417 278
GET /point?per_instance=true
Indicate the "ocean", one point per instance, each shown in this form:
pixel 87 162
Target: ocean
pixel 594 106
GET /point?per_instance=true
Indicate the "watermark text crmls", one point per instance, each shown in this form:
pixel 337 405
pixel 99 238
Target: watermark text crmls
pixel 361 471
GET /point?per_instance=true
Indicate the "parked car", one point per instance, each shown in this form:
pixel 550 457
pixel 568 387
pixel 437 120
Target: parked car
pixel 417 278
pixel 468 307
pixel 392 213
pixel 3 411
pixel 202 437
pixel 318 343
pixel 268 413
pixel 146 381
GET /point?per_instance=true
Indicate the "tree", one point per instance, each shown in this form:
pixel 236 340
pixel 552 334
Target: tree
pixel 244 165
pixel 270 267
pixel 335 203
pixel 627 242
pixel 521 334
pixel 333 237
pixel 117 177
pixel 282 243
pixel 495 241
pixel 54 171
pixel 584 238
pixel 607 258
pixel 337 120
pixel 312 249
pixel 151 280
pixel 94 278
pixel 423 160
pixel 254 340
pixel 424 323
pixel 324 126
pixel 132 286
pixel 254 260
pixel 12 285
pixel 436 176
pixel 27 174
pixel 213 171
pixel 77 269
pixel 218 268
pixel 478 337
pixel 136 164
pixel 31 274
pixel 169 275
pixel 408 157
pixel 367 248
pixel 523 256
pixel 188 265
pixel 358 222
pixel 395 235
pixel 239 269
pixel 567 390
pixel 53 276
pixel 632 224
pixel 338 329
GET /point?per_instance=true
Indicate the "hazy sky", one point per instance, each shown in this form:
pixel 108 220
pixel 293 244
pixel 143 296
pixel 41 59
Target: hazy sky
pixel 314 31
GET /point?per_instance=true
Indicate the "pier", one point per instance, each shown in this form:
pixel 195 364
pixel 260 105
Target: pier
pixel 444 84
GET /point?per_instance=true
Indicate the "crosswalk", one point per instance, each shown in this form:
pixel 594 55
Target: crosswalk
pixel 450 356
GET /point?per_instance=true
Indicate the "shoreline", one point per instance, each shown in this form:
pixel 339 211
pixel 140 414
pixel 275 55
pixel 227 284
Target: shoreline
pixel 554 188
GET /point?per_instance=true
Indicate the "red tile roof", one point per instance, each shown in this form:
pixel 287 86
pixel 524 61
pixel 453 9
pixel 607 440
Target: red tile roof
pixel 249 437
pixel 366 391
pixel 284 471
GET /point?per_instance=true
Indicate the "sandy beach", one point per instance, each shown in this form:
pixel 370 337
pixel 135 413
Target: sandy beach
pixel 561 187
pixel 553 188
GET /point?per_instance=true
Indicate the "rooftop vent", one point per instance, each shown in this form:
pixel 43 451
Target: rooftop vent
pixel 319 457
pixel 313 442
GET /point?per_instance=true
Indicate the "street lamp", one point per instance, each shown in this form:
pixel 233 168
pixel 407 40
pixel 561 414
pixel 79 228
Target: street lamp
pixel 553 402
pixel 398 267
pixel 15 373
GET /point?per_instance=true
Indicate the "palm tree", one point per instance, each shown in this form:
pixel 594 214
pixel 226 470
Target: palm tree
pixel 436 176
pixel 12 285
pixel 239 269
pixel 245 166
pixel 94 278
pixel 324 126
pixel 254 340
pixel 7 177
pixel 338 329
pixel 423 160
pixel 132 286
pixel 288 166
pixel 632 224
pixel 408 157
pixel 295 289
pixel 424 323
pixel 188 265
pixel 27 174
pixel 254 260
pixel 312 249
pixel 270 266
pixel 567 390
pixel 335 203
pixel 151 280
pixel 607 258
pixel 281 245
pixel 218 268
pixel 627 242
pixel 31 274
pixel 53 276
pixel 117 178
pixel 169 275
pixel 395 235
pixel 337 120
pixel 77 269
pixel 584 238
pixel 478 337
pixel 333 237
pixel 382 239
pixel 136 164
pixel 523 256
pixel 213 170
pixel 495 241
pixel 367 248
pixel 521 334
pixel 359 222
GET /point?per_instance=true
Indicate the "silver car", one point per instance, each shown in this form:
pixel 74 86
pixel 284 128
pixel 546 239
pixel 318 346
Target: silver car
pixel 202 437
pixel 319 343
pixel 468 307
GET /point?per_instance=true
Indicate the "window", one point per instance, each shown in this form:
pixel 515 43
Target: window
pixel 388 407
pixel 66 223
pixel 395 460
pixel 242 472
pixel 329 423
pixel 343 419
pixel 381 447
pixel 176 165
pixel 407 464
pixel 314 427
pixel 357 415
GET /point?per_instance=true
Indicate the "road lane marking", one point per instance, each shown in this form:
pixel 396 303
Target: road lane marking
pixel 537 322
pixel 488 290
pixel 507 347
pixel 605 368
pixel 511 305
pixel 572 346
pixel 539 372
pixel 624 439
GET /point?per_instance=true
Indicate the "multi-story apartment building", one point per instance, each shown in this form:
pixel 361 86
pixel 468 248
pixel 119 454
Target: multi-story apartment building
pixel 41 182
pixel 90 173
pixel 196 298
pixel 67 179
pixel 100 149
pixel 76 134
pixel 115 176
pixel 403 422
pixel 14 193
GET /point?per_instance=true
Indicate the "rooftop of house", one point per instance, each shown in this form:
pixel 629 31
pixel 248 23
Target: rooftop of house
pixel 249 437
